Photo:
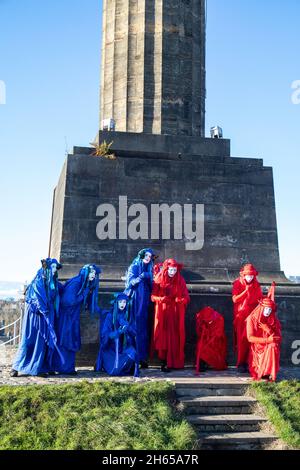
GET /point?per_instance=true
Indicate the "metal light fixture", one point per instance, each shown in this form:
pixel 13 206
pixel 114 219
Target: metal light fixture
pixel 108 124
pixel 216 132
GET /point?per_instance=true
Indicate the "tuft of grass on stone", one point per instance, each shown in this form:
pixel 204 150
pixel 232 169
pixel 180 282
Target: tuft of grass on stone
pixel 98 416
pixel 282 403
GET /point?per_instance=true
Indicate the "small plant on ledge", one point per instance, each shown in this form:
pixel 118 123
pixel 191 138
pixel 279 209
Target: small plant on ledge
pixel 103 150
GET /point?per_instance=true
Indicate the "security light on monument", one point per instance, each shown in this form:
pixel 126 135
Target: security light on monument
pixel 108 124
pixel 216 132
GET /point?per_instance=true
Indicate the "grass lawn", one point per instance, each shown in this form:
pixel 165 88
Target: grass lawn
pixel 282 403
pixel 99 416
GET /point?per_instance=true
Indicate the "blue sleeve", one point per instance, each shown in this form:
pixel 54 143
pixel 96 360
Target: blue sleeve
pixel 133 273
pixel 70 295
pixel 107 330
pixel 131 330
pixel 37 295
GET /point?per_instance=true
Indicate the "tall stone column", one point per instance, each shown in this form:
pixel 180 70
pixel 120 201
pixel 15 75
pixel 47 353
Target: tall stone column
pixel 153 66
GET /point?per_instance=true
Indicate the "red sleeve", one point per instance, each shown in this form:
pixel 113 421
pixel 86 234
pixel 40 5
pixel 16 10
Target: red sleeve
pixel 251 332
pixel 155 296
pixel 239 293
pixel 184 291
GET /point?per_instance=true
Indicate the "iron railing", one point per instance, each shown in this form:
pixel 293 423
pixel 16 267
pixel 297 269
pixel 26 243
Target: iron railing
pixel 17 330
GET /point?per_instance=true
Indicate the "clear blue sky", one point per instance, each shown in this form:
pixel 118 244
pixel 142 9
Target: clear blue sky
pixel 50 63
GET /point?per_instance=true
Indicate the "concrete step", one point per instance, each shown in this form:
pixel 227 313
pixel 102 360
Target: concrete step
pixel 235 441
pixel 207 390
pixel 226 423
pixel 217 405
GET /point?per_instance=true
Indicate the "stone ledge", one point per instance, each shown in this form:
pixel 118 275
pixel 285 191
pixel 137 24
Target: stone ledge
pixel 166 144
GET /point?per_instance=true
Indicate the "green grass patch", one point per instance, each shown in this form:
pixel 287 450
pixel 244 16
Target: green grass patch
pixel 99 416
pixel 282 403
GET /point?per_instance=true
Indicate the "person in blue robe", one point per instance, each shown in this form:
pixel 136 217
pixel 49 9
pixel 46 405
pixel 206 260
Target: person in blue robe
pixel 80 292
pixel 117 354
pixel 38 338
pixel 138 287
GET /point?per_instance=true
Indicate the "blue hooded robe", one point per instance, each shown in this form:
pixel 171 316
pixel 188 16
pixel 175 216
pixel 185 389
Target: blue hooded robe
pixel 117 354
pixel 78 293
pixel 38 339
pixel 140 294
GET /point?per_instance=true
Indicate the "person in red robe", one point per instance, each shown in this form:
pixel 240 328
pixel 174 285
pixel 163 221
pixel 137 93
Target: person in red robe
pixel 171 297
pixel 211 346
pixel 246 294
pixel 264 336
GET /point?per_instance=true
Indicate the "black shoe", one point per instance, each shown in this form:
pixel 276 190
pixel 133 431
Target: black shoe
pixel 52 373
pixel 13 373
pixel 42 375
pixel 165 369
pixel 203 366
pixel 144 365
pixel 243 369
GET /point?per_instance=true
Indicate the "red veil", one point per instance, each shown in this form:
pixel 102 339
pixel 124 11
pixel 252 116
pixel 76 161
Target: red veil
pixel 245 298
pixel 264 357
pixel 171 298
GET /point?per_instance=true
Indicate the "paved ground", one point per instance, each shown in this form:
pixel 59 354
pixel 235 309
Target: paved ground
pixel 153 373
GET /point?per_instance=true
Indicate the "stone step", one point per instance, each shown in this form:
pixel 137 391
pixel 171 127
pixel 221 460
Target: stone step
pixel 208 390
pixel 223 382
pixel 226 423
pixel 217 405
pixel 235 441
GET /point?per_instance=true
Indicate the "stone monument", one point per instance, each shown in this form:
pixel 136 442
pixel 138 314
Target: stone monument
pixel 168 186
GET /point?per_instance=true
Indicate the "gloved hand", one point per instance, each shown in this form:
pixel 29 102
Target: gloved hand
pixel 265 328
pixel 272 339
pixel 135 281
pixel 180 300
pixel 123 328
pixel 164 300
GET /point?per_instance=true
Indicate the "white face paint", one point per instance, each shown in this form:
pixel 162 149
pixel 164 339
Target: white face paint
pixel 147 258
pixel 53 268
pixel 172 271
pixel 92 274
pixel 122 304
pixel 249 278
pixel 267 311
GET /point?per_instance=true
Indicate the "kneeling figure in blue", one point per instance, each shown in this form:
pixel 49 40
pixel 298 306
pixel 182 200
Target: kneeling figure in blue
pixel 117 354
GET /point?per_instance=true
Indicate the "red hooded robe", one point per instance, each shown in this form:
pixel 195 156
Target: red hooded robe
pixel 264 354
pixel 171 298
pixel 212 343
pixel 245 298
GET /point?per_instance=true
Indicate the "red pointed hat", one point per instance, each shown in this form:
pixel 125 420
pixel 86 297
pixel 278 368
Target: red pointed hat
pixel 267 302
pixel 248 270
pixel 172 263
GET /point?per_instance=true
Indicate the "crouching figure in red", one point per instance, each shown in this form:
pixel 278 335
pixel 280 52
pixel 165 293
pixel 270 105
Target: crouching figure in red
pixel 264 336
pixel 171 297
pixel 212 343
pixel 246 294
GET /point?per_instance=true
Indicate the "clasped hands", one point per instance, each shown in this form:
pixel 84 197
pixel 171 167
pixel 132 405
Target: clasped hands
pixel 122 329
